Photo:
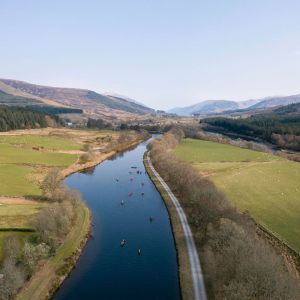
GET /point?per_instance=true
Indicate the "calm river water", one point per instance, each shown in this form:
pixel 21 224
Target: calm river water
pixel 106 270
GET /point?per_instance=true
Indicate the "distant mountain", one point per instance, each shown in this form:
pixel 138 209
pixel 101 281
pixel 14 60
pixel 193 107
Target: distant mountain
pixel 205 107
pixel 90 101
pixel 210 107
pixel 247 103
pixel 276 101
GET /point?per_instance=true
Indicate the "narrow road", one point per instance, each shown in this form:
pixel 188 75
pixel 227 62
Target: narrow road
pixel 198 282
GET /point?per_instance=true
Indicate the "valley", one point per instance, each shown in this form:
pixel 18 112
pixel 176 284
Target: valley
pixel 27 157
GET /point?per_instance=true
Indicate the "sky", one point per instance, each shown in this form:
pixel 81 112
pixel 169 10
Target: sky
pixel 163 53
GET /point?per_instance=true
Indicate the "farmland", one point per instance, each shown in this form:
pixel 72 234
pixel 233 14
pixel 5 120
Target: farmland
pixel 19 161
pixel 26 157
pixel 265 185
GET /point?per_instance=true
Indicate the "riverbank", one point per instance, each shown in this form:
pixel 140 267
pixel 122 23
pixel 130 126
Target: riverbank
pixel 185 276
pixel 50 275
pixel 77 167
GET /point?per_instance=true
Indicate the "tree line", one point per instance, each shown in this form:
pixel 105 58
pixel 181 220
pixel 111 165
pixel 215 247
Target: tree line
pixel 281 127
pixel 12 118
pixel 53 110
pixel 236 262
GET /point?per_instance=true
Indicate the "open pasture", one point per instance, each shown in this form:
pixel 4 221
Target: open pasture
pixel 265 185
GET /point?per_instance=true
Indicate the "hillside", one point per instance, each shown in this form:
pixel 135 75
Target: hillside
pixel 12 100
pixel 280 126
pixel 276 101
pixel 210 107
pixel 205 107
pixel 90 101
pixel 12 118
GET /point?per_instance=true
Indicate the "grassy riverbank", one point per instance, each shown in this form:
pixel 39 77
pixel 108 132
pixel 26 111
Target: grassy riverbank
pixel 44 150
pixel 186 284
pixel 50 275
pixel 265 185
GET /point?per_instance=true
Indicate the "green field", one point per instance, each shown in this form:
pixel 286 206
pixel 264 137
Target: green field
pixel 16 215
pixel 21 155
pixel 265 185
pixel 49 142
pixel 20 159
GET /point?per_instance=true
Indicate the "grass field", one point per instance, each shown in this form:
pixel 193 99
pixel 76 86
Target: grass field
pixel 265 185
pixel 25 157
pixel 49 142
pixel 15 217
pixel 22 157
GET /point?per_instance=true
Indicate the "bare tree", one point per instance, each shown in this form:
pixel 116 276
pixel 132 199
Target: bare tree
pixel 237 264
pixel 51 183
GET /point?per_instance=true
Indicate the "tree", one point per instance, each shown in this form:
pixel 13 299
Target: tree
pixel 13 278
pixel 33 253
pixel 52 183
pixel 89 155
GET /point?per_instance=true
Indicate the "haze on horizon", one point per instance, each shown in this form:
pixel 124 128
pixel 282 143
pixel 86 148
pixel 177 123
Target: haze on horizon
pixel 163 53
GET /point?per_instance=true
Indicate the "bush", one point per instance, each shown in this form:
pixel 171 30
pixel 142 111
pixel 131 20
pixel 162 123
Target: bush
pixel 33 253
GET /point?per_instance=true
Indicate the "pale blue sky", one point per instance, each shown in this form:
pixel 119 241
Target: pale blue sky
pixel 164 53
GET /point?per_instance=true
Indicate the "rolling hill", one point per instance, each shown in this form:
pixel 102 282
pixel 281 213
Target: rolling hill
pixel 210 107
pixel 276 101
pixel 205 107
pixel 90 102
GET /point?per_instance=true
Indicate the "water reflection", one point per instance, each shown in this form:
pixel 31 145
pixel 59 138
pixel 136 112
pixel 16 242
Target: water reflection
pixel 123 200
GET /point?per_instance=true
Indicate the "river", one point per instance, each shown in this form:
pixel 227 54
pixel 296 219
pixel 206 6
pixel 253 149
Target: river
pixel 106 270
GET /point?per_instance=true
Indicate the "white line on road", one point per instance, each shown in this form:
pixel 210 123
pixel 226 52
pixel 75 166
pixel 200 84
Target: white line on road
pixel 198 282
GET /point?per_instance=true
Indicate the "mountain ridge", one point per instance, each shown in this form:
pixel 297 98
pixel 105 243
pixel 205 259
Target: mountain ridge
pixel 85 99
pixel 207 107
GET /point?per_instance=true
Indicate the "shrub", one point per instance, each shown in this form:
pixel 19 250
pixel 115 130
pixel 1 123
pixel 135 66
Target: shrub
pixel 89 155
pixel 33 253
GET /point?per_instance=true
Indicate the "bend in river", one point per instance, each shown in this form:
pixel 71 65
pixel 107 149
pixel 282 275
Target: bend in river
pixel 125 205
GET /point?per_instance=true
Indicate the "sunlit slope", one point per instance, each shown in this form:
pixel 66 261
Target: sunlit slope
pixel 265 185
